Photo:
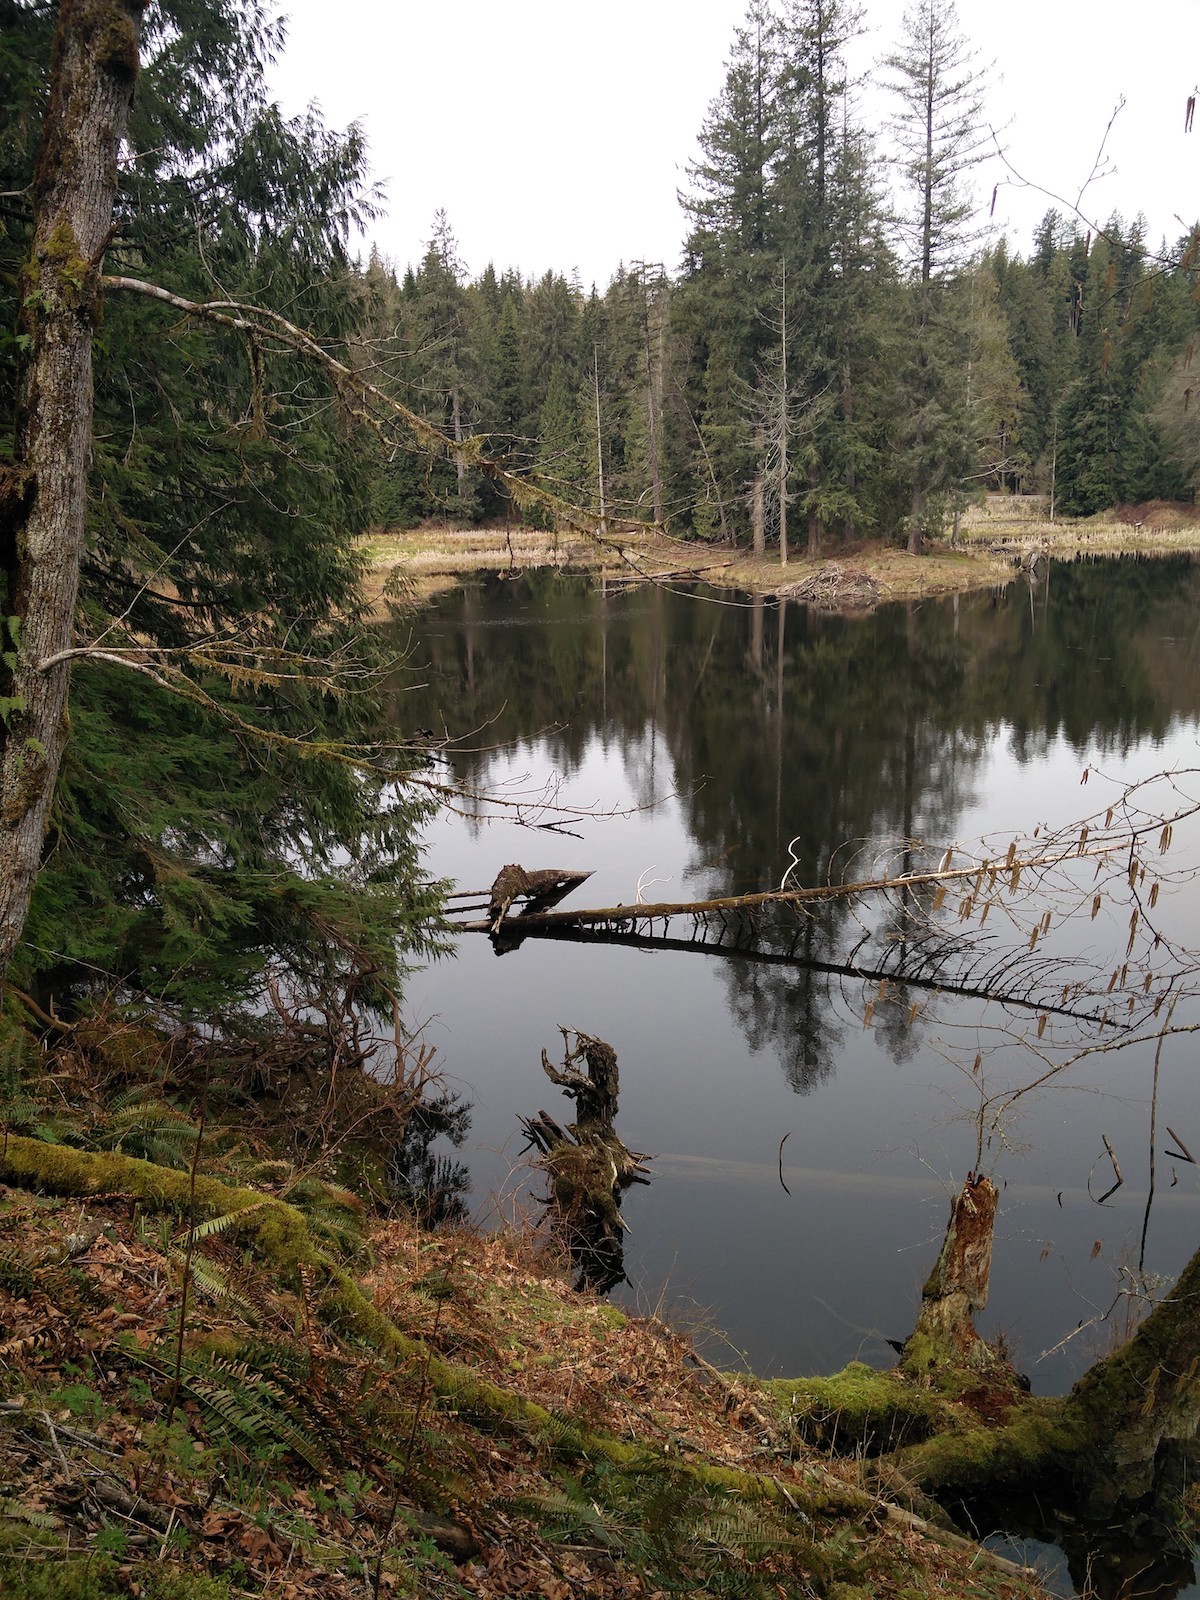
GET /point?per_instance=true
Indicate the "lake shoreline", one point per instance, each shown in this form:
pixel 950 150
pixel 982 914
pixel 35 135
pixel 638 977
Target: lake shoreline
pixel 995 546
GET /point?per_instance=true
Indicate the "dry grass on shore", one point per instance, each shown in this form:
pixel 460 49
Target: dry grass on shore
pixel 995 540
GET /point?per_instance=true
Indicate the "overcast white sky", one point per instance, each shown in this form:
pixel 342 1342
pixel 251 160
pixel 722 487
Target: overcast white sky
pixel 556 135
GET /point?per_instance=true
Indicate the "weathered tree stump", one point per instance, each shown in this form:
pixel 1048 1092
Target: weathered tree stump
pixel 588 1165
pixel 958 1287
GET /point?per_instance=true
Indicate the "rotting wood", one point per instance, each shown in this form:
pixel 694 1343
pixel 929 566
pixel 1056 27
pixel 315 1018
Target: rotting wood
pixel 540 889
pixel 958 1287
pixel 588 1165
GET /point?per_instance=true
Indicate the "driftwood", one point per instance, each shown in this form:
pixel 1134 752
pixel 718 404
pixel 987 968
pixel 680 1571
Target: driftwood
pixel 588 1165
pixel 986 873
pixel 540 889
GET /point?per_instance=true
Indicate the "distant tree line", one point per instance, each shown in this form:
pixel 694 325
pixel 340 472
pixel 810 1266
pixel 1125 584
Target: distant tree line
pixel 830 361
pixel 822 367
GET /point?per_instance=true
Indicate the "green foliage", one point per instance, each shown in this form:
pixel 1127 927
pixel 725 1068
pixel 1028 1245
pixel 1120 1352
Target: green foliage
pixel 685 1534
pixel 210 846
pixel 97 1577
pixel 260 1410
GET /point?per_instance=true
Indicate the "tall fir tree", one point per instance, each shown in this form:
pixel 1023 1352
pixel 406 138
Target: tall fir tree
pixel 939 135
pixel 201 850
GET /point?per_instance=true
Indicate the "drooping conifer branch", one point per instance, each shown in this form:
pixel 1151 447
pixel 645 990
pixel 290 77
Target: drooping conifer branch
pixel 370 405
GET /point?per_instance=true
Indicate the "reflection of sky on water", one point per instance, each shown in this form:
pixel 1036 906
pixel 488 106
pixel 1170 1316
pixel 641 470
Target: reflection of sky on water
pixel 806 1281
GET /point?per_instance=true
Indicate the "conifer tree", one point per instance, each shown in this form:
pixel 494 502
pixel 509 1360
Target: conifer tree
pixel 731 257
pixel 196 852
pixel 938 131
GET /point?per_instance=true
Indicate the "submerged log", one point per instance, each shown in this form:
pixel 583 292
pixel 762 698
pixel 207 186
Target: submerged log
pixel 588 1165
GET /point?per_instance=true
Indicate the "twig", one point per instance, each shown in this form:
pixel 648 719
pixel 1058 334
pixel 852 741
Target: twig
pixel 1154 1134
pixel 187 1253
pixel 1182 1153
pixel 1116 1169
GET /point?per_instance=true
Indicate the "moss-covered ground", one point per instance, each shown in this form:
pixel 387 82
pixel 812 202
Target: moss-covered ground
pixel 229 1371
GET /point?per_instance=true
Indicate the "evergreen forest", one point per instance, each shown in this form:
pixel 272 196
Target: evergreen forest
pixel 835 359
pixel 838 356
pixel 232 1359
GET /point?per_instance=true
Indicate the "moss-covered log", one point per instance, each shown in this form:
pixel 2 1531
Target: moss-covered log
pixel 956 1422
pixel 278 1234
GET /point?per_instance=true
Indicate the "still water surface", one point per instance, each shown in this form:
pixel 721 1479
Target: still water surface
pixel 732 738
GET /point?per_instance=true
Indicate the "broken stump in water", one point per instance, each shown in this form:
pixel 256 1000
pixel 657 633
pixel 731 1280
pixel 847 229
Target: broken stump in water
pixel 957 1287
pixel 588 1165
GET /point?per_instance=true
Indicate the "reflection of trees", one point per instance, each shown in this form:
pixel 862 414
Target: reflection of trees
pixel 788 1008
pixel 779 726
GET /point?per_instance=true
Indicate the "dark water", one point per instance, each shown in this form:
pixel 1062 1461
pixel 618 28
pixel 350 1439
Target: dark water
pixel 730 739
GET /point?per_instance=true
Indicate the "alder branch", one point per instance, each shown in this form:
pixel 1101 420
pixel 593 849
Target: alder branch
pixel 1165 262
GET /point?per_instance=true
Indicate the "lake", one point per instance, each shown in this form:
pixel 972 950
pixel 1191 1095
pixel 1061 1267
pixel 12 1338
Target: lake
pixel 701 744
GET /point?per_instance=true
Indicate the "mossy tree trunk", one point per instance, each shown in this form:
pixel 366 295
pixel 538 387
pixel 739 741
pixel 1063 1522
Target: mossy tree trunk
pixel 1138 1410
pixel 43 495
pixel 1119 1448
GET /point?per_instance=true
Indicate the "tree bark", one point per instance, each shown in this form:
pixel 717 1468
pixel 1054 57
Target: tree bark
pixel 1139 1409
pixel 958 1286
pixel 758 516
pixel 43 497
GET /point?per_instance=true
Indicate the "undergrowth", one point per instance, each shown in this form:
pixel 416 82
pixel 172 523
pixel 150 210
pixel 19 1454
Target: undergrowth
pixel 232 1363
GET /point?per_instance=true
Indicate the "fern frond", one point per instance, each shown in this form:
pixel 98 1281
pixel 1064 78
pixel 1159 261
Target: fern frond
pixel 245 1406
pixel 212 1226
pixel 212 1281
pixel 16 1512
pixel 564 1512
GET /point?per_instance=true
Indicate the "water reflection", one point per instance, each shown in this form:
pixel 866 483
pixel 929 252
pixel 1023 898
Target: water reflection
pixel 789 735
pixel 784 734
pixel 798 737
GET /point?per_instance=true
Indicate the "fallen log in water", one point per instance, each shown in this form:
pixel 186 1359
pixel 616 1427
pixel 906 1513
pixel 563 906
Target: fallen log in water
pixel 987 876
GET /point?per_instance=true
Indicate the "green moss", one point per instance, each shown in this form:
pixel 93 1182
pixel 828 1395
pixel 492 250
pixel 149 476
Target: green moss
pixel 857 1409
pixel 115 44
pixel 275 1231
pixel 19 1538
pixel 1035 1439
pixel 77 1578
pixel 612 1318
pixel 96 1577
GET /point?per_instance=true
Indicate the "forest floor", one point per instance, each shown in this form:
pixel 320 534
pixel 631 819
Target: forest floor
pixel 227 1371
pixel 997 539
